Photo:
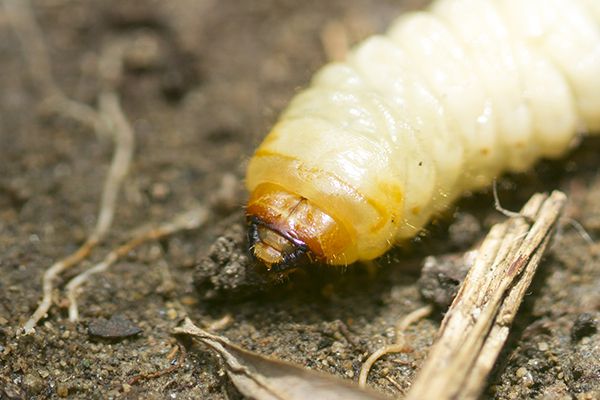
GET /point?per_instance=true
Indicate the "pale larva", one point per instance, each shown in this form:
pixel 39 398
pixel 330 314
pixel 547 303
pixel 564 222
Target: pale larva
pixel 441 105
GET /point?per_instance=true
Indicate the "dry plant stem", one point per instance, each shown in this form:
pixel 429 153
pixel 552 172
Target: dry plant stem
pixel 185 221
pixel 397 347
pixel 477 324
pixel 110 118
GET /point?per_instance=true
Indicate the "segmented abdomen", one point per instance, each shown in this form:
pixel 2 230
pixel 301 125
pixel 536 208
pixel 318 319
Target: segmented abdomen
pixel 439 106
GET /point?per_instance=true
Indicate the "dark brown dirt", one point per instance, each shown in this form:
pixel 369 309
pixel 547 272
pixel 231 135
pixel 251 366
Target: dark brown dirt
pixel 215 77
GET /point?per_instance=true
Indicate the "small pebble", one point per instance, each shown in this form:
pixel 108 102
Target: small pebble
pixel 160 191
pixel 521 372
pixel 117 327
pixel 585 325
pixel 585 340
pixel 172 314
pixel 543 346
pixel 528 380
pixel 465 230
pixel 441 277
pixel 33 383
pixel 62 390
pixel 189 300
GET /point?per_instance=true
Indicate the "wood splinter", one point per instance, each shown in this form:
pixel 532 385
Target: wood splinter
pixel 478 322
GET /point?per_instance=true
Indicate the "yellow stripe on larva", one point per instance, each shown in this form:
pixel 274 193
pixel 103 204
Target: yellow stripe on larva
pixel 446 101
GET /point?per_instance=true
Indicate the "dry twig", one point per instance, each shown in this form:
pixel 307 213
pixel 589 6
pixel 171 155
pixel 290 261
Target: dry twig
pixel 477 324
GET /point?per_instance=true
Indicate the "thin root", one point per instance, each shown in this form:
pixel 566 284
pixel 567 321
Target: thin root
pixel 579 229
pixel 109 118
pixel 395 383
pixel 398 347
pixel 345 332
pixel 185 221
pixel 502 210
pixel 175 365
pixel 29 34
pixel 124 143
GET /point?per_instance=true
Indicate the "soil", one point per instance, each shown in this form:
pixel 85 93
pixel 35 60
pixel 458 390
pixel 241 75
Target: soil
pixel 204 81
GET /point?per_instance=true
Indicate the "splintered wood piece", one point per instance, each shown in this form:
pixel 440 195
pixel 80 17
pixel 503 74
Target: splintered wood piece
pixel 478 322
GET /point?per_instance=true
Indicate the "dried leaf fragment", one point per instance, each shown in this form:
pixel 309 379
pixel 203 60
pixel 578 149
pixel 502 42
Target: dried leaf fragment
pixel 263 378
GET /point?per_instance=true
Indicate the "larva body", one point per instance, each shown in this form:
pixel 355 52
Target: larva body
pixel 446 101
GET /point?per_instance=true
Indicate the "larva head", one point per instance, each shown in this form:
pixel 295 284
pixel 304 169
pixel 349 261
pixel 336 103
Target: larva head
pixel 274 247
pixel 286 230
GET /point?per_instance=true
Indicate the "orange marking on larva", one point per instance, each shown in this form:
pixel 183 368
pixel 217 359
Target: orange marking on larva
pixel 270 138
pixel 307 170
pixel 267 153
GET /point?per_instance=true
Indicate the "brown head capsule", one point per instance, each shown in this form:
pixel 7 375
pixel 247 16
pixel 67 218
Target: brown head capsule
pixel 286 229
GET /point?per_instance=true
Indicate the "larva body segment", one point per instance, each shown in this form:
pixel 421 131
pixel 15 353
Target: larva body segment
pixel 446 101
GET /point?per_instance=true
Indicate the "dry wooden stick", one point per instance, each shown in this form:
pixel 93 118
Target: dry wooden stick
pixel 477 324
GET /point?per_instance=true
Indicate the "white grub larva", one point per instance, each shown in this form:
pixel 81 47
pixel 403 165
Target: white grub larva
pixel 444 102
